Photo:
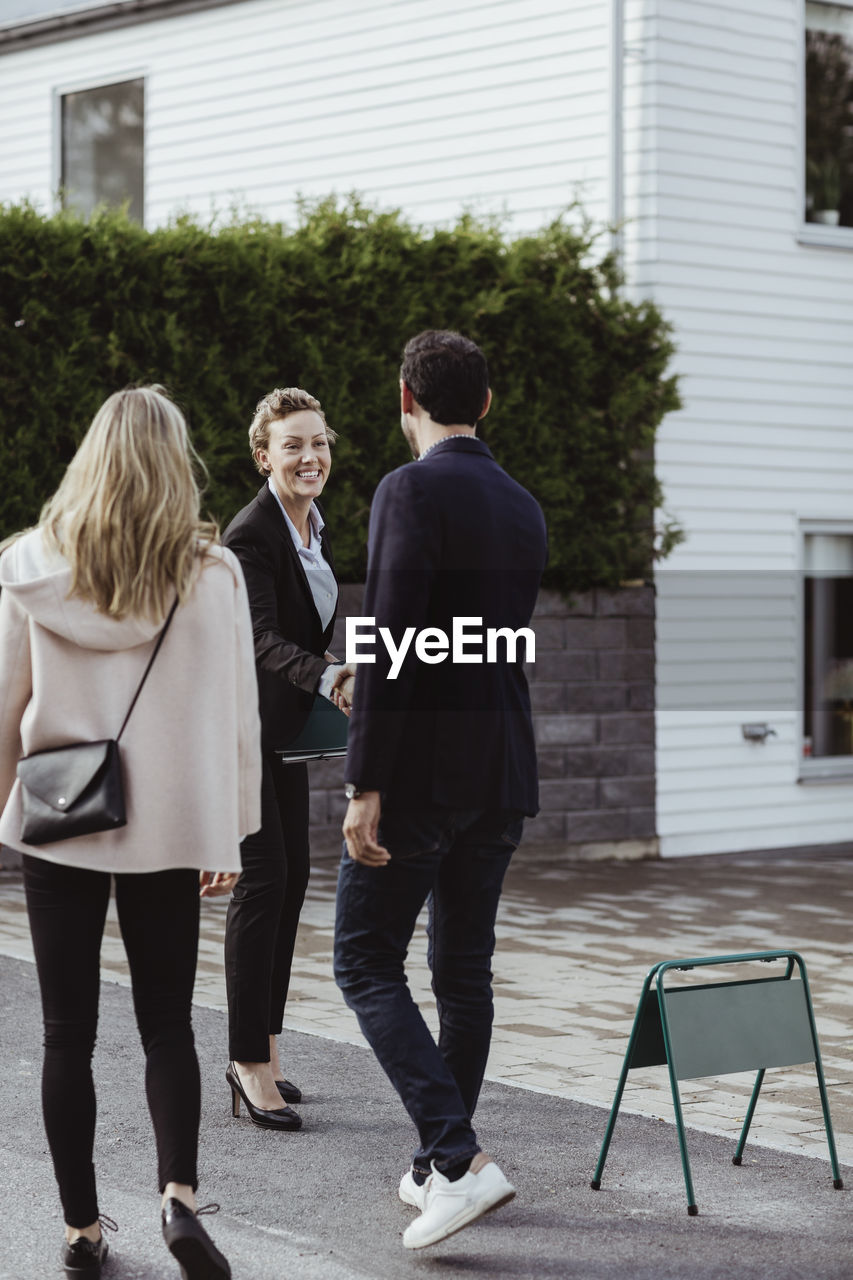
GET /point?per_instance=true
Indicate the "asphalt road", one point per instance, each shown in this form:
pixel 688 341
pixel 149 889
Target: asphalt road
pixel 322 1203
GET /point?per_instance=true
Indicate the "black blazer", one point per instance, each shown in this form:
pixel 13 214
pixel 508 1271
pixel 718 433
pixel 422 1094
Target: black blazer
pixel 451 536
pixel 289 641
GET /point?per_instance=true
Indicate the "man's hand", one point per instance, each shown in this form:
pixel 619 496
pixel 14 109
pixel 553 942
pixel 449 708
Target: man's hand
pixel 344 687
pixel 213 884
pixel 342 695
pixel 360 828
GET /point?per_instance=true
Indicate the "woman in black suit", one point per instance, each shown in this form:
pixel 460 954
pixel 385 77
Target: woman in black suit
pixel 281 543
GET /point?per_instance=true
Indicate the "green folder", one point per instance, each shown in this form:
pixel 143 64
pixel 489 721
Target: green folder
pixel 324 736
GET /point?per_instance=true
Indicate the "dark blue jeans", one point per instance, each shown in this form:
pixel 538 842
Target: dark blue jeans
pixel 454 861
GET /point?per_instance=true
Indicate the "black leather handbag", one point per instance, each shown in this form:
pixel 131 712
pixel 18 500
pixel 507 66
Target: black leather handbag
pixel 77 789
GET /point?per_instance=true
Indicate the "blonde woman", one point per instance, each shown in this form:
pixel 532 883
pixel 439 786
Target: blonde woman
pixel 283 547
pixel 84 598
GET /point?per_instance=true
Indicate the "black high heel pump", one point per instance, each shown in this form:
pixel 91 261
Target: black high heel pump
pixel 282 1118
pixel 288 1091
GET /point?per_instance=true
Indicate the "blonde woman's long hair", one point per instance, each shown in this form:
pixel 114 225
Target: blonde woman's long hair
pixel 126 516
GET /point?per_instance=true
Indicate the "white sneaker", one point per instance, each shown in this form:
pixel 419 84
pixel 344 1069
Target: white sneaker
pixel 450 1206
pixel 410 1192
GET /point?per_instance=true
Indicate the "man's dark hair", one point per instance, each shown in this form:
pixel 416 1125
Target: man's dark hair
pixel 448 376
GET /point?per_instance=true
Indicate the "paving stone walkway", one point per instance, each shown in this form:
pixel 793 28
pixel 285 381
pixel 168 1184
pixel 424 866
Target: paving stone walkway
pixel 575 942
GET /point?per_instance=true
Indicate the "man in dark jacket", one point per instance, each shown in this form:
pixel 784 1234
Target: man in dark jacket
pixel 441 766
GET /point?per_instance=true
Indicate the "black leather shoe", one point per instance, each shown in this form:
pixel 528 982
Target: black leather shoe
pixel 190 1245
pixel 84 1257
pixel 281 1118
pixel 288 1091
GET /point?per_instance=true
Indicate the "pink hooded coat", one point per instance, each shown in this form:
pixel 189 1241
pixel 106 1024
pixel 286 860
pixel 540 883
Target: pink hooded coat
pixel 191 749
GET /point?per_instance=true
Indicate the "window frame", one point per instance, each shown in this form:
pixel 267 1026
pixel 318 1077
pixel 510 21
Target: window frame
pixel 83 85
pixel 823 768
pixel 812 233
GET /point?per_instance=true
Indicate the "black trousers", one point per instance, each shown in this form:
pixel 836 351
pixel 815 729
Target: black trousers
pixel 158 914
pixel 263 915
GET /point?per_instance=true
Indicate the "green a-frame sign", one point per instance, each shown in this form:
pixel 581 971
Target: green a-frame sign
pixel 721 1027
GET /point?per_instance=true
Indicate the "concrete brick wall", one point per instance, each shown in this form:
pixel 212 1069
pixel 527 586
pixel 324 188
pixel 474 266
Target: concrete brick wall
pixel 593 695
pixel 592 691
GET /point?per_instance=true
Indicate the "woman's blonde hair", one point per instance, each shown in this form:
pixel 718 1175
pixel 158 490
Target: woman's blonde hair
pixel 279 404
pixel 127 513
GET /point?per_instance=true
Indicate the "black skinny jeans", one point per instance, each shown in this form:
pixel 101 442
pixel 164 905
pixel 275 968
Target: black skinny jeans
pixel 159 916
pixel 263 915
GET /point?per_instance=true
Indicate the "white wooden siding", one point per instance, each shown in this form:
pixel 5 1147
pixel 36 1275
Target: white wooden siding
pixel 764 328
pixel 498 106
pixel 639 145
pixel 502 105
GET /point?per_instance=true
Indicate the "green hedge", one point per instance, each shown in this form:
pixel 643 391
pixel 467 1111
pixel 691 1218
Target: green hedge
pixel 220 316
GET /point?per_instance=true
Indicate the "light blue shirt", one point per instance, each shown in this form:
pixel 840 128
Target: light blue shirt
pixel 321 580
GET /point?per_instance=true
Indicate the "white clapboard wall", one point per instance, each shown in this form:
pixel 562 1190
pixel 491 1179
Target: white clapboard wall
pixel 764 326
pixel 503 106
pixel 425 105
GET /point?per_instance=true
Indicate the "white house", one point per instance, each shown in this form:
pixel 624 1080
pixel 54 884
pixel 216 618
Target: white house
pixel 684 121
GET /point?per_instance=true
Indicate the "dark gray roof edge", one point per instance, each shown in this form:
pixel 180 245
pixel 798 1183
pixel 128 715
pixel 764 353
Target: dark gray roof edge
pixel 26 33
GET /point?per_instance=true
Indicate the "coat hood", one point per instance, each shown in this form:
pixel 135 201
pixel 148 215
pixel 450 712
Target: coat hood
pixel 38 580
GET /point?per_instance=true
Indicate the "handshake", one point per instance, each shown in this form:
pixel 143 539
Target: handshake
pixel 343 687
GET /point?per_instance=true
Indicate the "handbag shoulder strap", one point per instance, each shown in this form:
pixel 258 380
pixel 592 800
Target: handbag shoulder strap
pixel 160 640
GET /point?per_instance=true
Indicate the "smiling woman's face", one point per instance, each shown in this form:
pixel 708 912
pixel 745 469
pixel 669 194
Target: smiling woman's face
pixel 298 456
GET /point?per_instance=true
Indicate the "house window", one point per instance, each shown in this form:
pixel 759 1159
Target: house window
pixel 828 647
pixel 102 147
pixel 829 114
